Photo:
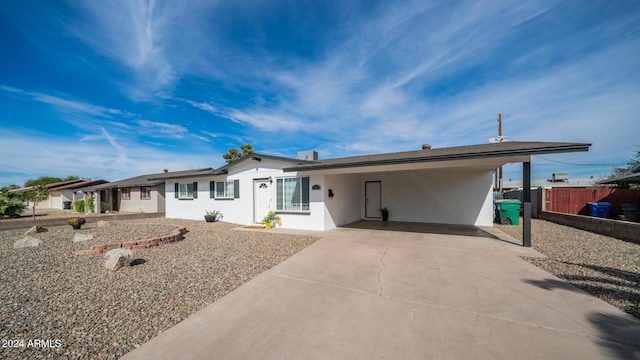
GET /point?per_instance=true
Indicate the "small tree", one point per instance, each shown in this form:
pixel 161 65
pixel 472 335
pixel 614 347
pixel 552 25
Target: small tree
pixel 233 154
pixel 35 195
pixel 42 180
pixel 632 165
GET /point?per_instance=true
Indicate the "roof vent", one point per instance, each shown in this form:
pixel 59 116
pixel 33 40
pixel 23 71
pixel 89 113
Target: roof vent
pixel 426 147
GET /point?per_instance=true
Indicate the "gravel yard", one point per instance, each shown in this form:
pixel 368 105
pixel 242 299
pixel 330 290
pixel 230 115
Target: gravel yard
pixel 48 293
pixel 603 266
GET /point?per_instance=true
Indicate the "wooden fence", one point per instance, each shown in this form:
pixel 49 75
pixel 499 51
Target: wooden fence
pixel 574 200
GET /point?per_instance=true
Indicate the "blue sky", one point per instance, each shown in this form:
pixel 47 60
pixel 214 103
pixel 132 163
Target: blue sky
pixel 114 89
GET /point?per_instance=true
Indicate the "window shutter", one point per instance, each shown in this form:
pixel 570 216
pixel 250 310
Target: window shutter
pixel 236 189
pixel 176 192
pixel 212 189
pixel 195 190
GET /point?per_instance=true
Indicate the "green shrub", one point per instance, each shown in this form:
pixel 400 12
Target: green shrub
pixel 78 205
pixel 90 204
pixel 10 205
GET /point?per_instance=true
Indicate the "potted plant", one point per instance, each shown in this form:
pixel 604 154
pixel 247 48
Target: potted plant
pixel 76 222
pixel 104 207
pixel 385 213
pixel 271 220
pixel 211 216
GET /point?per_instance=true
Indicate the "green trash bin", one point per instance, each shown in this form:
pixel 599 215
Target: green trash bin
pixel 510 212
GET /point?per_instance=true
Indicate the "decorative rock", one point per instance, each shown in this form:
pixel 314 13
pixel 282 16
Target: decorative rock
pixel 117 258
pixel 27 241
pixel 103 223
pixel 36 229
pixel 78 237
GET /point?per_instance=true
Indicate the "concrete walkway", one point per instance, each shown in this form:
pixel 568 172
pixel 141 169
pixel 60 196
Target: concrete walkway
pixel 374 294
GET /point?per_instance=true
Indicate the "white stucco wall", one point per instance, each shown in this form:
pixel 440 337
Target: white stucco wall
pixel 344 207
pixel 448 196
pixel 241 210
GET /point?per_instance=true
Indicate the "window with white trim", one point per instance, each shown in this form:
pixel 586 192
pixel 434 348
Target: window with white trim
pixel 292 194
pixel 224 189
pixel 186 190
pixel 229 189
pixel 126 194
pixel 145 192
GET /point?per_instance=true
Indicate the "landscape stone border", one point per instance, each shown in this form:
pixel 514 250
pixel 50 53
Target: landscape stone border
pixel 176 235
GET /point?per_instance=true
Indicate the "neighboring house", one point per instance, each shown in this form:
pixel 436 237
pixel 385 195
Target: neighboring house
pixel 631 179
pixel 510 184
pixel 144 193
pixel 61 192
pixel 61 196
pixel 447 185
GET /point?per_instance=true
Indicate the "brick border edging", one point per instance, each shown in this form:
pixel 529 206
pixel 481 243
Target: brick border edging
pixel 176 235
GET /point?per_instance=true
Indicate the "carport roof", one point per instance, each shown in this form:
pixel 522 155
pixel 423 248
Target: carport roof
pixel 504 149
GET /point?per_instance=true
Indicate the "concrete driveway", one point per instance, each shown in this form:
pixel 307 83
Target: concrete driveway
pixel 449 293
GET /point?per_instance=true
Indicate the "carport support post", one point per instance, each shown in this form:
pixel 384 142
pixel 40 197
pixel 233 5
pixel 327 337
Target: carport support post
pixel 526 204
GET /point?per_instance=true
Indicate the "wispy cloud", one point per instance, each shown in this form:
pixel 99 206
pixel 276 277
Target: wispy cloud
pixel 101 155
pixel 63 104
pixel 160 129
pixel 149 38
pixel 203 106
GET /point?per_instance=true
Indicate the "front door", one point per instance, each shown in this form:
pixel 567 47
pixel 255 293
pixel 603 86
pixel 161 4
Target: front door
pixel 262 199
pixel 373 199
pixel 115 197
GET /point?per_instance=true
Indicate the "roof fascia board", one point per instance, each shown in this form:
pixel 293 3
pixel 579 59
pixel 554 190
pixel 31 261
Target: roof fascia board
pixel 421 166
pixel 486 154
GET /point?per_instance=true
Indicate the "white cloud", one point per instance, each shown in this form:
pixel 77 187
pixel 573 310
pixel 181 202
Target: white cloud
pixel 98 156
pixel 64 105
pixel 160 129
pixel 203 106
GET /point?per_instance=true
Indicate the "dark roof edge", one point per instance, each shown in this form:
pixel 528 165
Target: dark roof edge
pixel 632 178
pixel 225 169
pixel 572 147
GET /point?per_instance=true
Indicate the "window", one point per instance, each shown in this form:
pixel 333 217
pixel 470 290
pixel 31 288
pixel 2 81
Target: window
pixel 126 194
pixel 145 192
pixel 224 189
pixel 292 194
pixel 186 190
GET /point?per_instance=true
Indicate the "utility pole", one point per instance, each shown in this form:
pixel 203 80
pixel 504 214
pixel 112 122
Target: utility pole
pixel 497 186
pixel 500 134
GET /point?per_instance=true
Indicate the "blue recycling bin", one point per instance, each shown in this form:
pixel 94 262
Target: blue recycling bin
pixel 600 209
pixel 496 212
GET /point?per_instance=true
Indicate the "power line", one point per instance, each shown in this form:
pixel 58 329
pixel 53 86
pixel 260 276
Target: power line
pixel 575 164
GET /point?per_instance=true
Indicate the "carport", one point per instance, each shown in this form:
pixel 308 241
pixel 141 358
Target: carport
pixel 445 185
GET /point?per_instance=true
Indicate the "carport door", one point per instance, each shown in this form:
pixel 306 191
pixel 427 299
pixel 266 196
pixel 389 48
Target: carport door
pixel 372 199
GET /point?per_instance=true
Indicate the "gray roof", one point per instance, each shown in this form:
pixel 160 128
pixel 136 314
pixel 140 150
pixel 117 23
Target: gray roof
pixel 510 148
pixel 633 178
pixel 83 184
pixel 146 180
pixel 225 169
pixel 52 186
pixel 258 157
